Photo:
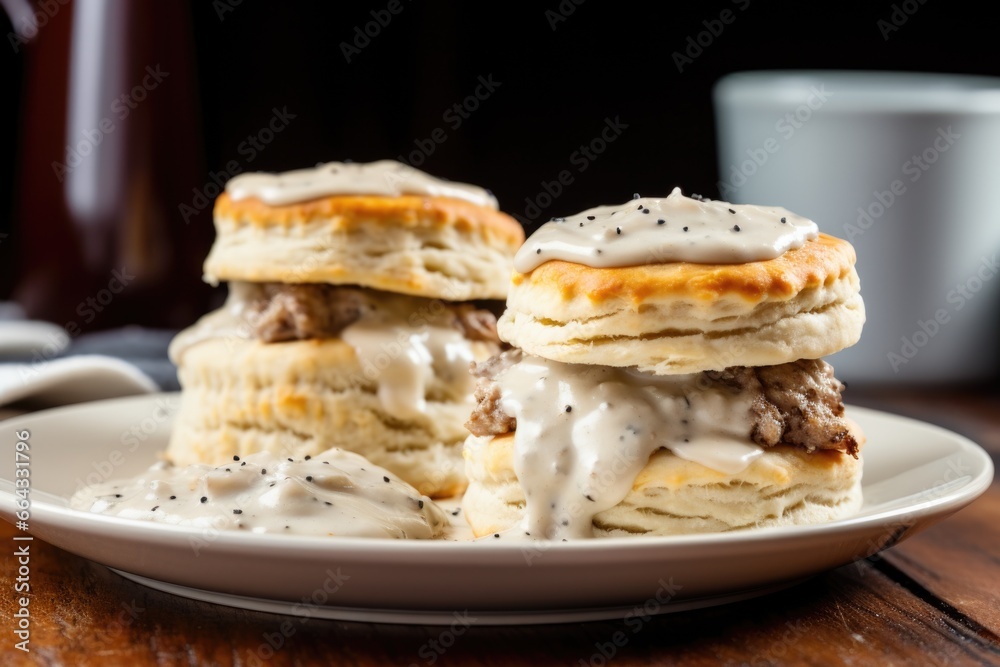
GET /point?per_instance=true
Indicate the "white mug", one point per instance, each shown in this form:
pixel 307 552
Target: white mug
pixel 905 166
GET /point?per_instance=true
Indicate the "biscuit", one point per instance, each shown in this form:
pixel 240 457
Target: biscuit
pixel 682 317
pixel 433 247
pixel 671 496
pixel 301 398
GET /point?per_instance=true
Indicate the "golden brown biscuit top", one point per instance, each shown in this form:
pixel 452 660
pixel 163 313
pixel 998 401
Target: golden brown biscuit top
pixel 346 213
pixel 818 262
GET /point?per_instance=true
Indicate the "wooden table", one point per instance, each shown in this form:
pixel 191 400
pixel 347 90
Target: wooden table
pixel 932 600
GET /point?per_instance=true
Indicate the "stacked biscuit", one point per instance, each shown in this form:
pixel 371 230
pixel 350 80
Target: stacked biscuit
pixel 666 376
pixel 358 296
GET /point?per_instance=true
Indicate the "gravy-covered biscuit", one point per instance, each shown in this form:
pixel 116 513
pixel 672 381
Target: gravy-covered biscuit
pixel 665 376
pixel 358 296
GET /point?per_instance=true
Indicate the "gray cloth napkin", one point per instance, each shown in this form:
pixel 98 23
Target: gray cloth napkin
pixel 41 364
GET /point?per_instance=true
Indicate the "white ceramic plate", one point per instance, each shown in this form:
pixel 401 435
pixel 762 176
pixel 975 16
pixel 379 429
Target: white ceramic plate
pixel 915 474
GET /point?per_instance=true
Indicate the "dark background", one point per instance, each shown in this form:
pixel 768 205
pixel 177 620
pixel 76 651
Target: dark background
pixel 563 69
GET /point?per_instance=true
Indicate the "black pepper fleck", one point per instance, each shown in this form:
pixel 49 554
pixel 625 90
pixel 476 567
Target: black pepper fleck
pixel 496 534
pixel 591 217
pixel 263 471
pixel 309 478
pixel 173 497
pixel 590 498
pixel 236 458
pixel 661 221
pixel 204 499
pixel 155 508
pixel 732 211
pixel 420 504
pixel 784 221
pixel 685 229
pixel 307 457
pixel 736 228
pixel 237 511
pixel 385 479
pixel 618 230
pixel 118 495
pixel 569 408
pixel 635 195
pixel 538 251
pixel 645 211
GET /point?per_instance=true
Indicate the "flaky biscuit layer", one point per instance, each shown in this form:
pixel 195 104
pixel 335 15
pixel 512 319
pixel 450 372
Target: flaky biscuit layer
pixel 304 397
pixel 683 317
pixel 672 496
pixel 425 246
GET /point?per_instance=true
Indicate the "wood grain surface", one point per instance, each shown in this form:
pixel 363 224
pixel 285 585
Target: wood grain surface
pixel 932 600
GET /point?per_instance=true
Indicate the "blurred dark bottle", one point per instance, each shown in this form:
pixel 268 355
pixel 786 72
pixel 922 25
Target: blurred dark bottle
pixel 110 149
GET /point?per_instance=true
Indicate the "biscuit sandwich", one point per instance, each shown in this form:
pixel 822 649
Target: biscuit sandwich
pixel 666 376
pixel 358 296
